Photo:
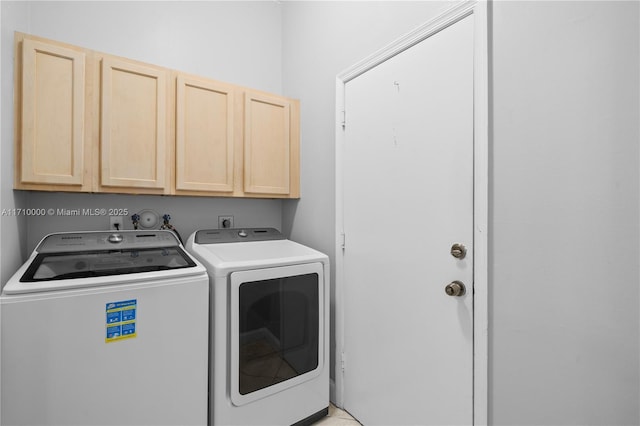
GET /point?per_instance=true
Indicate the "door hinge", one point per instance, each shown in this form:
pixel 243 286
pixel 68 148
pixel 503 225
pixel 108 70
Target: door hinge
pixel 344 240
pixel 344 119
pixel 343 361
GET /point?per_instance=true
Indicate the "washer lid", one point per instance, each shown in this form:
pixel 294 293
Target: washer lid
pixel 77 260
pixel 69 265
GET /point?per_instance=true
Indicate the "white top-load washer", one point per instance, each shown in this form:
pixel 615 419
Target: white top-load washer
pixel 269 327
pixel 103 328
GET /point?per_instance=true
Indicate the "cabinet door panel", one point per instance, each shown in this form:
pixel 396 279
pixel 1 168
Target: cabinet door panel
pixel 133 125
pixel 204 135
pixel 53 105
pixel 267 144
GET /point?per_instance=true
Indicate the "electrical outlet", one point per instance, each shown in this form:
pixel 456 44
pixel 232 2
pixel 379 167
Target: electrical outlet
pixel 225 222
pixel 116 222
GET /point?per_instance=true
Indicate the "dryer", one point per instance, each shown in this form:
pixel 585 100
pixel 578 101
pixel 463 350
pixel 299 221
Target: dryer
pixel 105 328
pixel 269 353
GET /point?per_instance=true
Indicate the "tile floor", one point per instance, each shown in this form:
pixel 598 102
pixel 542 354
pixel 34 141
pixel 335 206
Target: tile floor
pixel 337 417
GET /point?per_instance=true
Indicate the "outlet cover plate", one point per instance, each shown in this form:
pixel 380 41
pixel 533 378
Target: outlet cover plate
pixel 225 220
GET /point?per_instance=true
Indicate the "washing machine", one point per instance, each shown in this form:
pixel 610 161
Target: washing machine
pixel 269 354
pixel 103 328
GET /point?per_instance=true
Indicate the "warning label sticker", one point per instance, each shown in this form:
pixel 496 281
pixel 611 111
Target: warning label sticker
pixel 120 320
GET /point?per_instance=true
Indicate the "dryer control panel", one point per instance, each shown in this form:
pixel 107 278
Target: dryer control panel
pixel 237 235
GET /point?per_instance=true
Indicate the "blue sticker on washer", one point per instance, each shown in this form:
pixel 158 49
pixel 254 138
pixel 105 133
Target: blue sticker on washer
pixel 128 329
pixel 129 314
pixel 113 332
pixel 114 317
pixel 120 320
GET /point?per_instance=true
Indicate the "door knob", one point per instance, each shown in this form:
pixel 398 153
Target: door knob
pixel 456 288
pixel 459 251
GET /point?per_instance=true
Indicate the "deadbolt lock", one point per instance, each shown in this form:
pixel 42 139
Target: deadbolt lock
pixel 459 251
pixel 456 288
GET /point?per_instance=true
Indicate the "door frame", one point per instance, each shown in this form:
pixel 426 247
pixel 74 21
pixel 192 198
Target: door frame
pixel 480 10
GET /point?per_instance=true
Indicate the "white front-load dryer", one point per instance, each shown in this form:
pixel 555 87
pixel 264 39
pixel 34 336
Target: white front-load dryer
pixel 269 342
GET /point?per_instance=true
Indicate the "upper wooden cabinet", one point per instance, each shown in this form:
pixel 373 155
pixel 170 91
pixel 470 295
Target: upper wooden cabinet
pixel 267 144
pixel 51 117
pixel 87 121
pixel 205 140
pixel 134 127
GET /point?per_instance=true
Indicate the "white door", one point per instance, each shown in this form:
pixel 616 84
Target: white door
pixel 408 198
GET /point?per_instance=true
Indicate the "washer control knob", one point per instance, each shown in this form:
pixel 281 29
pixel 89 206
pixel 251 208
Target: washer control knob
pixel 115 238
pixel 242 233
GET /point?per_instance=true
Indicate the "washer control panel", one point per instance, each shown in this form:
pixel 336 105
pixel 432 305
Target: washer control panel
pixel 106 240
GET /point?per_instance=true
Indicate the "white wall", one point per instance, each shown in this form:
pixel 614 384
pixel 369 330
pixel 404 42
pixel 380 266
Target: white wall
pixel 234 41
pixel 237 42
pixel 564 214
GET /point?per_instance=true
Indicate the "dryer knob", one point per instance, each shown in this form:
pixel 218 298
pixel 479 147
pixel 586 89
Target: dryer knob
pixel 115 238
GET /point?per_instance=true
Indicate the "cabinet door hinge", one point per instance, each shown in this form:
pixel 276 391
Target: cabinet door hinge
pixel 344 240
pixel 344 119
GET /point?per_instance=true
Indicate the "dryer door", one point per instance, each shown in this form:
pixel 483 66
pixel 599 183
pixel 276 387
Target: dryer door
pixel 276 329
